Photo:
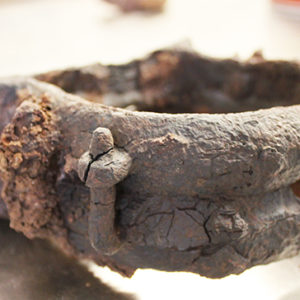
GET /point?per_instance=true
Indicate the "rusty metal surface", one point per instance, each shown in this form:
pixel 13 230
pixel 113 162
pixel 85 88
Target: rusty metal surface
pixel 212 194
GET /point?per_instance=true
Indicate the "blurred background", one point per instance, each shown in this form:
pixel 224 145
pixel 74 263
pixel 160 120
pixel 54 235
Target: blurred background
pixel 42 35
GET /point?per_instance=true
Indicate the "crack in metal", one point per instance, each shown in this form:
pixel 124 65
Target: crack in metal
pixel 86 174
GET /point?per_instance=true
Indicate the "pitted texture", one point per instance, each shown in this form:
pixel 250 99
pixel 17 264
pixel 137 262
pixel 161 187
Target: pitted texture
pixel 210 194
pixel 30 154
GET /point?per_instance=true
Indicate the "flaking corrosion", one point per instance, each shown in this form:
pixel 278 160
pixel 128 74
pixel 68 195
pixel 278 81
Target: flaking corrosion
pixel 212 194
pixel 174 81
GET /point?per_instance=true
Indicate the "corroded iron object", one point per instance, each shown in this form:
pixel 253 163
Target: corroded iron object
pixel 171 81
pixel 212 194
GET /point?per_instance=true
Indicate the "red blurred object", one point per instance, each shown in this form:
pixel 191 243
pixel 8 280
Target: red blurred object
pixel 288 2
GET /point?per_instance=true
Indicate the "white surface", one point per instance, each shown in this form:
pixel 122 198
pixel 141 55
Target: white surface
pixel 277 281
pixel 40 35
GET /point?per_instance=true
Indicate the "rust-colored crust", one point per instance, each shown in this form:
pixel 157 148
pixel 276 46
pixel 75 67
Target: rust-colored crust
pixel 212 194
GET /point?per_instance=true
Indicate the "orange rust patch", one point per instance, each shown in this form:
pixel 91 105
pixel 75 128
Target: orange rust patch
pixel 29 151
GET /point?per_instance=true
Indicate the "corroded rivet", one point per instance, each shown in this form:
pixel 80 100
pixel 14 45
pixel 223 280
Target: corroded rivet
pixel 102 141
pixel 101 168
pixel 109 169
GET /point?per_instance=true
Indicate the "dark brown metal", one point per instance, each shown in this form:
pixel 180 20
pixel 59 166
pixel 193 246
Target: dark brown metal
pixel 212 194
pixel 101 169
pixel 174 81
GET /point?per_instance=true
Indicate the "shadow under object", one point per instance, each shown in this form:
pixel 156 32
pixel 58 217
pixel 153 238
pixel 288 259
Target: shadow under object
pixel 35 270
